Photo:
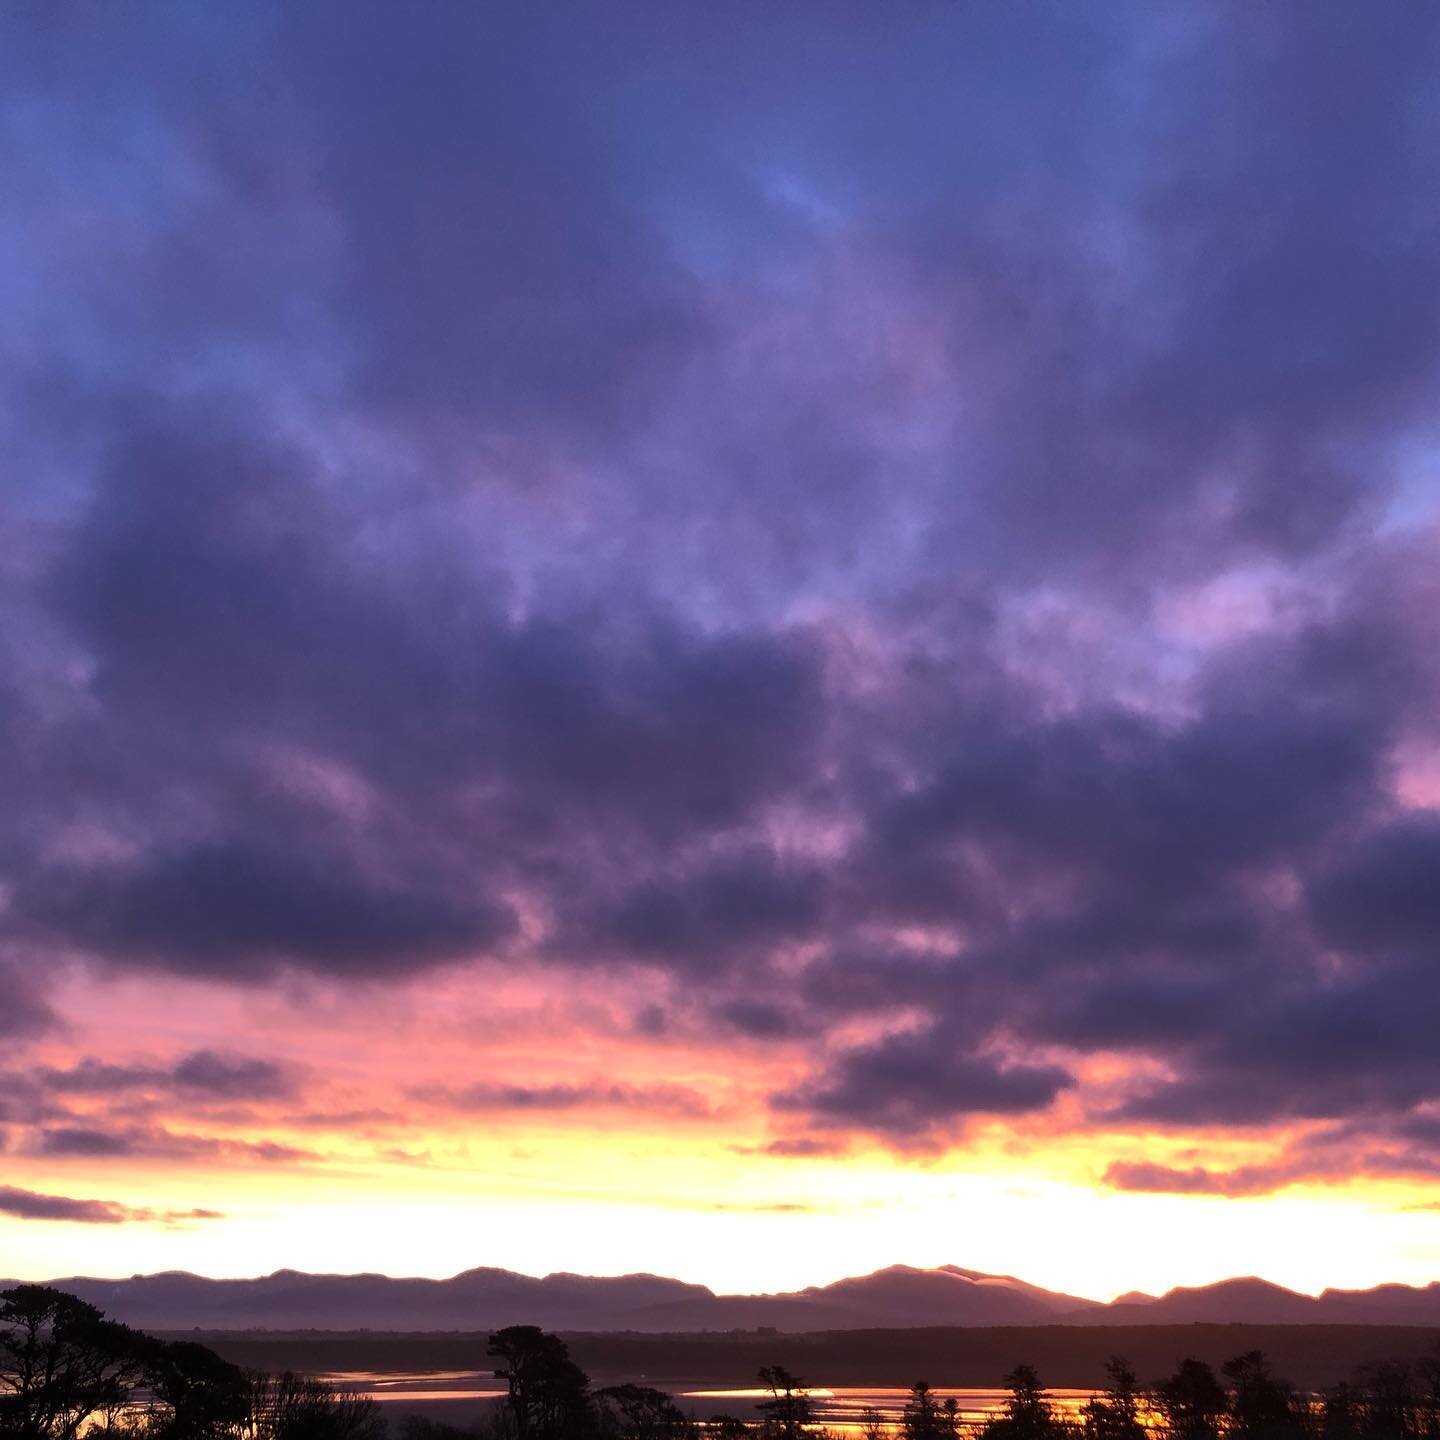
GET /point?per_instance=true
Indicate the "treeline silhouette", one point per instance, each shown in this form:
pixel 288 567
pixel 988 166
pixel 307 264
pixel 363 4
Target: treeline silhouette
pixel 549 1399
pixel 67 1371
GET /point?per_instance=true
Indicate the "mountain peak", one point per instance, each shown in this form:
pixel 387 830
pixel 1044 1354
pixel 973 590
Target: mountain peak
pixel 1236 1285
pixel 895 1296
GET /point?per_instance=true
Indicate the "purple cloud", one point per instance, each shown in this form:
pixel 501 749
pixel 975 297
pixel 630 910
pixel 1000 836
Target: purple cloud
pixel 490 1098
pixel 956 558
pixel 205 1074
pixel 908 1087
pixel 121 1141
pixel 28 1205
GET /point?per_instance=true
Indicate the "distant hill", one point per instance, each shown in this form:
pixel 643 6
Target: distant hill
pixel 1243 1301
pixel 1251 1301
pixel 899 1296
pixel 291 1299
pixel 1065 1355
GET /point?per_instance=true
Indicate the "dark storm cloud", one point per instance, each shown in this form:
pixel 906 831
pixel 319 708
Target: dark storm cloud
pixel 208 588
pixel 758 1019
pixel 747 902
pixel 1112 791
pixel 24 1011
pixel 715 495
pixel 1308 1048
pixel 227 909
pixel 553 287
pixel 1255 323
pixel 214 578
pixel 1383 896
pixel 529 278
pixel 909 1087
pixel 1132 878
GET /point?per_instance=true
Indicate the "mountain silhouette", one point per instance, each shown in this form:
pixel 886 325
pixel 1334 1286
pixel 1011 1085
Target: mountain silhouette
pixel 897 1296
pixel 1247 1299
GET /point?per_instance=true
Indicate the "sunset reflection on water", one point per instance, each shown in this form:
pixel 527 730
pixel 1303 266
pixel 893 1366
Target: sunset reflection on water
pixel 840 1408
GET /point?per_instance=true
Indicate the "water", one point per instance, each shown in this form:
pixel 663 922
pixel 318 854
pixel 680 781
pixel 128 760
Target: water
pixel 838 1409
pixel 841 1408
pixel 418 1386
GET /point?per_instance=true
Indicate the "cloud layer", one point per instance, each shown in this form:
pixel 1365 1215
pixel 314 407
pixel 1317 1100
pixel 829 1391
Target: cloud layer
pixel 900 543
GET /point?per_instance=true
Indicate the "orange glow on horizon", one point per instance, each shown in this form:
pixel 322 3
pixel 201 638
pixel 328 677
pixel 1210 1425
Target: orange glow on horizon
pixel 636 1178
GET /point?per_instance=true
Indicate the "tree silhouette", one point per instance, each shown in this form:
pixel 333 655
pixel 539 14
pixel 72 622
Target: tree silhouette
pixel 61 1363
pixel 788 1412
pixel 299 1407
pixel 872 1424
pixel 418 1427
pixel 636 1412
pixel 65 1369
pixel 1385 1401
pixel 926 1417
pixel 1340 1413
pixel 549 1394
pixel 1192 1402
pixel 1114 1414
pixel 1027 1414
pixel 726 1427
pixel 1262 1407
pixel 194 1394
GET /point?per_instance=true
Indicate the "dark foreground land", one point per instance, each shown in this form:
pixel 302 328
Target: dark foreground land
pixel 1311 1356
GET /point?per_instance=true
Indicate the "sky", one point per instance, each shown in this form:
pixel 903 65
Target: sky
pixel 747 641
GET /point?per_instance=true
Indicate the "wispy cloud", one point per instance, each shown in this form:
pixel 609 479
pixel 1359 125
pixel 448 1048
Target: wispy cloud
pixel 29 1205
pixel 486 1097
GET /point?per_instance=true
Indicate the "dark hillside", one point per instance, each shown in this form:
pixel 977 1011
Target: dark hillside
pixel 1310 1355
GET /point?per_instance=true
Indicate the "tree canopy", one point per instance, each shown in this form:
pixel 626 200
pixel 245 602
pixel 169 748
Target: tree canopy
pixel 65 1370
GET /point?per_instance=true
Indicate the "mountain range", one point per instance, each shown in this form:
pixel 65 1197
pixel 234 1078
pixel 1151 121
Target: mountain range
pixel 898 1296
